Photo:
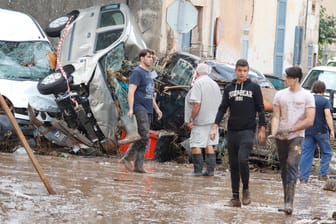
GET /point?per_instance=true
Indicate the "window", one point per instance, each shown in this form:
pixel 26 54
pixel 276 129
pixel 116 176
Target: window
pixel 182 73
pixel 105 39
pixel 24 60
pixel 111 18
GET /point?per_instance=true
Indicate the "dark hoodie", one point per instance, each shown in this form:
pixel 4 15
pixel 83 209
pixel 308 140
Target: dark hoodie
pixel 244 100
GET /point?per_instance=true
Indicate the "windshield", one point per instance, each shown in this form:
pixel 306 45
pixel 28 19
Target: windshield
pixel 112 63
pixel 328 77
pixel 182 73
pixel 24 60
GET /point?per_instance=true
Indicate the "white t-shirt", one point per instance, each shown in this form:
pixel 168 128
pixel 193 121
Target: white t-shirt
pixel 207 92
pixel 292 108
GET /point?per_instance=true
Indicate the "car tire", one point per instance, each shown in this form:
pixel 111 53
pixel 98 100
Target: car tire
pixel 55 82
pixel 55 27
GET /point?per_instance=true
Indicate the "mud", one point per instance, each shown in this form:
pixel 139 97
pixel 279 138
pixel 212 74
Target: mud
pixel 100 190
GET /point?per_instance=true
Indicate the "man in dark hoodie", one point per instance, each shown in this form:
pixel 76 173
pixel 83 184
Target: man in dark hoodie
pixel 244 98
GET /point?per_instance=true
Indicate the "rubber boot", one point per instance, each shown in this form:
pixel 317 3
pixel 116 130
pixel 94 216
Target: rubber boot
pixel 139 161
pixel 290 192
pixel 211 163
pixel 198 164
pixel 131 128
pixel 127 158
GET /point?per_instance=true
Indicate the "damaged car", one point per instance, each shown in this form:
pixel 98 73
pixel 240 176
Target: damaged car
pixel 174 83
pixel 88 107
pixel 25 58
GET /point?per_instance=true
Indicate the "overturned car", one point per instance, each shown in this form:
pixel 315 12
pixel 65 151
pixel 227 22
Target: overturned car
pixel 85 102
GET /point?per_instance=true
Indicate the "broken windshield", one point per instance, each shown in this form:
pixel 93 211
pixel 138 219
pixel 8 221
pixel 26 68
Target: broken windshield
pixel 24 60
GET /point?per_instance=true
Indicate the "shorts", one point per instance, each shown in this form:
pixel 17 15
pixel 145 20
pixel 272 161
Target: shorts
pixel 200 136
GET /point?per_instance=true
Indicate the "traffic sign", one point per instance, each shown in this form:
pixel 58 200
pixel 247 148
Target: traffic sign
pixel 182 16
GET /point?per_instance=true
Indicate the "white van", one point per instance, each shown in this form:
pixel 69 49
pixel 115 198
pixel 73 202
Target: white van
pixel 24 49
pixel 327 74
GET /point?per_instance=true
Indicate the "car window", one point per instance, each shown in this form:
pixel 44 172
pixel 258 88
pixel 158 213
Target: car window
pixel 105 39
pixel 182 73
pixel 328 77
pixel 227 73
pixel 111 18
pixel 112 64
pixel 24 60
pixel 278 83
pixel 114 58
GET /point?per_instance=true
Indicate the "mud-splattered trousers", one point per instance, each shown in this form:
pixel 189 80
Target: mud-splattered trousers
pixel 143 121
pixel 289 152
pixel 240 144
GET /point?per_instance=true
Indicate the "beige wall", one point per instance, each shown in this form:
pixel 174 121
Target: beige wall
pixel 330 5
pixel 258 19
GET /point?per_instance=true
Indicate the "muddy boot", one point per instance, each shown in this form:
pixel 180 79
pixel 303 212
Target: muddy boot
pixel 198 164
pixel 235 201
pixel 290 191
pixel 246 197
pixel 139 160
pixel 131 130
pixel 127 158
pixel 211 163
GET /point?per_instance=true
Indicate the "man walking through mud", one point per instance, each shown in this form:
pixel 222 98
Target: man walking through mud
pixel 319 134
pixel 293 112
pixel 201 104
pixel 141 103
pixel 244 99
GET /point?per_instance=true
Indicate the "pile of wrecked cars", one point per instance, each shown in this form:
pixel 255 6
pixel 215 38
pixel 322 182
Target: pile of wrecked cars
pixel 82 104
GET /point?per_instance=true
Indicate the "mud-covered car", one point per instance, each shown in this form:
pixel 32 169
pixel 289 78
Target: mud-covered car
pixel 174 82
pixel 24 50
pixel 89 107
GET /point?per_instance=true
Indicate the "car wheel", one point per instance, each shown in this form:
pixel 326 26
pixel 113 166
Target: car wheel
pixel 55 27
pixel 55 82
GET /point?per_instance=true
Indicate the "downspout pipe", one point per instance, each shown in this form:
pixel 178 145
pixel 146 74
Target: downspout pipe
pixel 212 31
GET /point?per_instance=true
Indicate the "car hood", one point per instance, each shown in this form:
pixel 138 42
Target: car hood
pixel 17 26
pixel 23 90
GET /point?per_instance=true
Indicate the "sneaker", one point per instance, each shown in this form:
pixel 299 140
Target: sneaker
pixel 323 178
pixel 246 197
pixel 235 202
pixel 127 164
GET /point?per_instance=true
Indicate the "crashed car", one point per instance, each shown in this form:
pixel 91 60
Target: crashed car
pixel 175 81
pixel 89 104
pixel 24 59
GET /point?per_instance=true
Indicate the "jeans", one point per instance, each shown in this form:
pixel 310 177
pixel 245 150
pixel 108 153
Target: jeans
pixel 308 149
pixel 143 122
pixel 240 144
pixel 289 152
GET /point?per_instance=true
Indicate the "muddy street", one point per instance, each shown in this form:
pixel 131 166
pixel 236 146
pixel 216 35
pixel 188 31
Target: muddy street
pixel 100 190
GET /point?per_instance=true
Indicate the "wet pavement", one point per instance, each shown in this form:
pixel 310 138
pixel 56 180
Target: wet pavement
pixel 100 190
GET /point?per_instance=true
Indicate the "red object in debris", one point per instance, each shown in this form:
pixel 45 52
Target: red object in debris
pixel 149 153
